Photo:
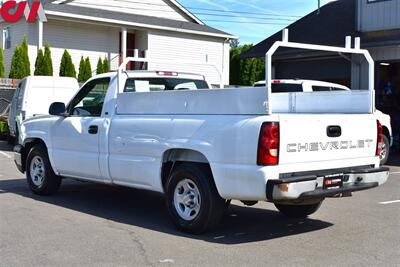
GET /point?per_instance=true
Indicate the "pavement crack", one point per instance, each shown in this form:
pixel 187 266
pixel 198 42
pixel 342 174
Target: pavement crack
pixel 136 240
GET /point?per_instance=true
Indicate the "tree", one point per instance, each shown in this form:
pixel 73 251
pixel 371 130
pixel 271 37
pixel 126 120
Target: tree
pixel 106 65
pixel 100 67
pixel 25 64
pixel 85 70
pixel 67 67
pixel 234 66
pixel 245 71
pixel 81 74
pixel 15 70
pixel 234 43
pixel 88 69
pixel 2 66
pixel 47 62
pixel 245 67
pixel 39 63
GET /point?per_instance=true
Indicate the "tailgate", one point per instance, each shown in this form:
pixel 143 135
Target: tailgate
pixel 315 138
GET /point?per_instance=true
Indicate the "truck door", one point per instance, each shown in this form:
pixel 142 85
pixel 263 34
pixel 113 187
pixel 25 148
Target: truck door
pixel 76 138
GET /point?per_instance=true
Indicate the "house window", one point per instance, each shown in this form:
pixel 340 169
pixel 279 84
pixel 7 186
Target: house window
pixel 6 38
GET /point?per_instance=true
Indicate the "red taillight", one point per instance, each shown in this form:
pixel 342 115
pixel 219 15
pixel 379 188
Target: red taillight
pixel 379 139
pixel 268 144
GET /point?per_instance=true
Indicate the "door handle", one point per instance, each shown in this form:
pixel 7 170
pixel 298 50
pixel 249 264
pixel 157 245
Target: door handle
pixel 93 129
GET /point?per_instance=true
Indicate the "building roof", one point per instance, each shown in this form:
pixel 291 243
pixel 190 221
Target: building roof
pixel 328 27
pixel 119 18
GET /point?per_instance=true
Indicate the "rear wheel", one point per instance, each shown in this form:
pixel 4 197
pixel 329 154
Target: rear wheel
pixel 298 211
pixel 192 199
pixel 385 150
pixel 40 175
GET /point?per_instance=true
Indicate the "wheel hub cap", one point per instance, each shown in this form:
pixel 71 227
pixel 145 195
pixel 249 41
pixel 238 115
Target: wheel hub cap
pixel 187 200
pixel 383 151
pixel 37 171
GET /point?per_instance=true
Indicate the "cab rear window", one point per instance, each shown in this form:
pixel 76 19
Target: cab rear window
pixel 163 84
pixel 286 88
pixel 283 87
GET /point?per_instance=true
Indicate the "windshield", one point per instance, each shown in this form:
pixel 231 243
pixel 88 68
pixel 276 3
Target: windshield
pixel 163 84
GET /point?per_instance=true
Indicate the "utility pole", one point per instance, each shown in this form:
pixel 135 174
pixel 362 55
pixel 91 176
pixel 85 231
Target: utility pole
pixel 319 7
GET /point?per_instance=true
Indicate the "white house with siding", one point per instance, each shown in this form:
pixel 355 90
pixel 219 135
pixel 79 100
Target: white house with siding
pixel 116 28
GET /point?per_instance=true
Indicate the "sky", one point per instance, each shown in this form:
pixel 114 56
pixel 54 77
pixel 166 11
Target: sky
pixel 251 20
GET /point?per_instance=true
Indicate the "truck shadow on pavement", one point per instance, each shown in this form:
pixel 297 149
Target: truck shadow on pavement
pixel 4 146
pixel 147 210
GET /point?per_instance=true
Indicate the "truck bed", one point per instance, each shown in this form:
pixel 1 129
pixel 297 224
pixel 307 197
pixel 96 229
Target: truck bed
pixel 243 101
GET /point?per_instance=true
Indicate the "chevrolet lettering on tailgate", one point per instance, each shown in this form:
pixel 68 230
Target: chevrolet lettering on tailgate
pixel 323 146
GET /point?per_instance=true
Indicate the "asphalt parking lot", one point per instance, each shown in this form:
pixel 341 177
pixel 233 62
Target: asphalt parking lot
pixel 93 225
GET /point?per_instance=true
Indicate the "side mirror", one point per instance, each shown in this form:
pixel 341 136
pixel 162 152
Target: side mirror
pixel 57 109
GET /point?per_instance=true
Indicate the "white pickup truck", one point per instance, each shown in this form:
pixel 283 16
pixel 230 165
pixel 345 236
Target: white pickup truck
pixel 286 86
pixel 202 148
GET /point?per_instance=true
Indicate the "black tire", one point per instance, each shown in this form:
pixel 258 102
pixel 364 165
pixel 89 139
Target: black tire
pixel 298 211
pixel 50 181
pixel 211 207
pixel 227 204
pixel 385 151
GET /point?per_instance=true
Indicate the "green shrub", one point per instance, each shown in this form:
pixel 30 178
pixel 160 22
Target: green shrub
pixel 81 74
pixel 100 67
pixel 106 65
pixel 25 64
pixel 15 70
pixel 39 63
pixel 88 69
pixel 2 66
pixel 67 67
pixel 47 62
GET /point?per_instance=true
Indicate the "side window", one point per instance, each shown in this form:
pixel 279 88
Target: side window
pixel 163 84
pixel 286 88
pixel 90 99
pixel 20 95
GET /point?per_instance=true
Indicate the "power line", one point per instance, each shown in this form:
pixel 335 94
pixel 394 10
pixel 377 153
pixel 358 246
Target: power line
pixel 243 12
pixel 195 13
pixel 247 22
pixel 247 17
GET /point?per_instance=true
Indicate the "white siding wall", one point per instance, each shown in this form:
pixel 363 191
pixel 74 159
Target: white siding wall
pixel 381 15
pixel 96 41
pixel 79 39
pixel 155 8
pixel 172 46
pixel 17 31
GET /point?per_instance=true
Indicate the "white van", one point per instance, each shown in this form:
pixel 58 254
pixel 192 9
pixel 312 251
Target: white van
pixel 34 95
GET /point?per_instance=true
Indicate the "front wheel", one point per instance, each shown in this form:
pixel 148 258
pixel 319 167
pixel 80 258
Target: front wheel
pixel 192 199
pixel 40 175
pixel 298 211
